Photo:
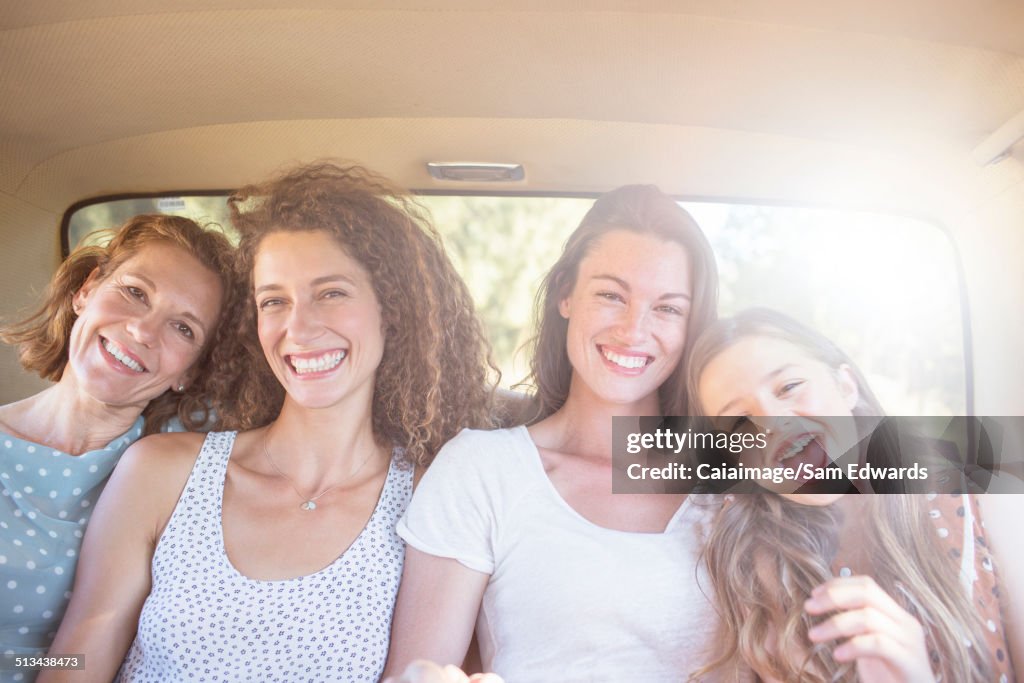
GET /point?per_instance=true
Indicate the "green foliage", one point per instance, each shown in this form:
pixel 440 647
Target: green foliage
pixel 208 211
pixel 503 246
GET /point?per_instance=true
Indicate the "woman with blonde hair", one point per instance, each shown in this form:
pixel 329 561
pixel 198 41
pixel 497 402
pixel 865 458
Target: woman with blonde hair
pixel 271 553
pixel 829 586
pixel 124 331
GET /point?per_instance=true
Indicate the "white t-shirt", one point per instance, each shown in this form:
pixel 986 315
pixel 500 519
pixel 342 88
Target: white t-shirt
pixel 566 598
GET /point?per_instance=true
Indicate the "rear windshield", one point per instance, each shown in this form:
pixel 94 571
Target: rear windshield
pixel 885 288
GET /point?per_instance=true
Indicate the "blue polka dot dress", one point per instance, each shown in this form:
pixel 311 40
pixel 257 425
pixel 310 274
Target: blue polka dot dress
pixel 204 621
pixel 48 497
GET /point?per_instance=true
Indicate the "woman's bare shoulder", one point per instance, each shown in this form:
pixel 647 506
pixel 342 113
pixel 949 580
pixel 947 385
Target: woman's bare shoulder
pixel 149 480
pixel 166 447
pixel 161 461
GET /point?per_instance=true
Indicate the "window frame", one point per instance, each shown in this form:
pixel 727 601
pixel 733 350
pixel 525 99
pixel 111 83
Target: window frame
pixel 964 300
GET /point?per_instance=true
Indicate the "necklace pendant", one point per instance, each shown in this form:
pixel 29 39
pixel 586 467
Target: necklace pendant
pixel 308 505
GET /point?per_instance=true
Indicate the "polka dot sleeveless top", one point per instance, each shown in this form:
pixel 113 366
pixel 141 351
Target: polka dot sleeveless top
pixel 47 500
pixel 203 621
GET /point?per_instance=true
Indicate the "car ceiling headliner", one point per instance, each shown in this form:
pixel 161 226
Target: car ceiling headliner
pixel 770 100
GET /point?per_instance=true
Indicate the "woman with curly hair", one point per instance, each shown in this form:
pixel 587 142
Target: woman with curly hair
pixel 834 587
pixel 124 332
pixel 272 554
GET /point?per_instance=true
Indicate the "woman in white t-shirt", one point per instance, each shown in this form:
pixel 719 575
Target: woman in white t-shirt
pixel 515 533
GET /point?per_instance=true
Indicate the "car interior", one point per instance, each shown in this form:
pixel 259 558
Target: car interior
pixel 866 153
pixel 858 165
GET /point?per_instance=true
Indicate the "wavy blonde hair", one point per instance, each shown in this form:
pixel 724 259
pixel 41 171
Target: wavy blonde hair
pixel 43 337
pixel 434 377
pixel 765 554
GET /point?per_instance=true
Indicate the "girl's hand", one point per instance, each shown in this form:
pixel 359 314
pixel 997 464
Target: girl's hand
pixel 422 671
pixel 887 643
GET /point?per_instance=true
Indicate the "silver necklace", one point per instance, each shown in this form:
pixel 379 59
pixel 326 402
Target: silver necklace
pixel 309 503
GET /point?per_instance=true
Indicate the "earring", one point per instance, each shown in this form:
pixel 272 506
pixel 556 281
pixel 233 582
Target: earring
pixel 181 388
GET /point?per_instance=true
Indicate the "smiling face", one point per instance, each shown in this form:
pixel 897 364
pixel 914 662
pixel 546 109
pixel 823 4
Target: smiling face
pixel 319 319
pixel 141 328
pixel 627 316
pixel 777 380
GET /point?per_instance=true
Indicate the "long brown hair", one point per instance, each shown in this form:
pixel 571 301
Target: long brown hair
pixel 43 337
pixel 765 554
pixel 433 378
pixel 645 210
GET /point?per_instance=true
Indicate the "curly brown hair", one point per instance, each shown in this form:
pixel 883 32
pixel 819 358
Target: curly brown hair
pixel 43 336
pixel 641 209
pixel 433 378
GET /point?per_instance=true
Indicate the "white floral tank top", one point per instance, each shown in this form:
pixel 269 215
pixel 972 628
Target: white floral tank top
pixel 204 621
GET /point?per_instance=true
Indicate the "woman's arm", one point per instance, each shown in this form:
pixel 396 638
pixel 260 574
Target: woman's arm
pixel 436 611
pixel 1002 514
pixel 113 575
